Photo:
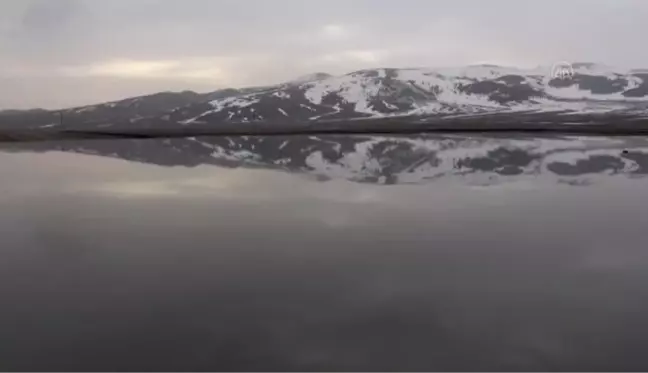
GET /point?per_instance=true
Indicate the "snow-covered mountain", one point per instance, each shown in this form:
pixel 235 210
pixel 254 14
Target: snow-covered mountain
pixel 463 92
pixel 471 90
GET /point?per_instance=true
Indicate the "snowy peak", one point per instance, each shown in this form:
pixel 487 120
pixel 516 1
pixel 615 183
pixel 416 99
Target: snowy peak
pixel 468 90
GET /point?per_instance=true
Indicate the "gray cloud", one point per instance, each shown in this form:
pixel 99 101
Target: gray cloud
pixel 68 52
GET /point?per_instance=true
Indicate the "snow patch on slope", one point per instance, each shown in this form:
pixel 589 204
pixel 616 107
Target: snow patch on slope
pixel 352 88
pixel 237 102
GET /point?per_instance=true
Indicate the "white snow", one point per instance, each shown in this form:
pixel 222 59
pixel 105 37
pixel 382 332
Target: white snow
pixel 307 107
pixel 353 89
pixel 389 106
pixel 282 111
pixel 282 95
pixel 443 87
pixel 573 92
pixel 235 155
pixel 235 102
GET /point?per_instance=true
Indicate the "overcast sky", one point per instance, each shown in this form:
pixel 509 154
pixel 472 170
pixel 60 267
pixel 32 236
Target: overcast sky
pixel 56 53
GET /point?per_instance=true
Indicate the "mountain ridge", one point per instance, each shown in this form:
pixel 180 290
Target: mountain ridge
pixel 469 90
pixel 472 90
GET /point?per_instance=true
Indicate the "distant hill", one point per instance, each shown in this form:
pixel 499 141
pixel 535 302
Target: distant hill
pixel 376 93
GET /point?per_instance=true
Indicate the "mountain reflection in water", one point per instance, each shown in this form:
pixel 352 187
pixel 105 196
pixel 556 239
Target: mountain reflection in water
pixel 387 159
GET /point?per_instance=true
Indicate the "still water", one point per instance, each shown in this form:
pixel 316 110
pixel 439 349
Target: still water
pixel 107 264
